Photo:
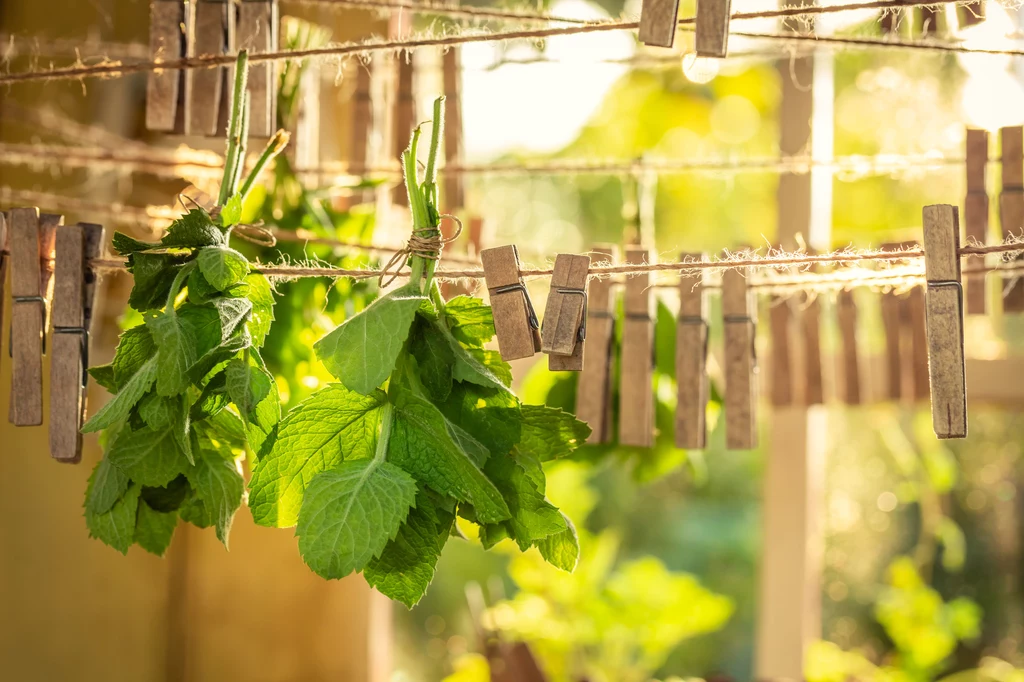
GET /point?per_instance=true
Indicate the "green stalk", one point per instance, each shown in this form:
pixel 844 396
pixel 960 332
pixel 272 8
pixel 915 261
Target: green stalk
pixel 179 280
pixel 243 143
pixel 274 147
pixel 423 198
pixel 387 420
pixel 228 183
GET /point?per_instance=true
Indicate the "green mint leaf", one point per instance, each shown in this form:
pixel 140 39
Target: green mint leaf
pixel 228 426
pixel 549 433
pixel 134 349
pixel 493 533
pixel 261 426
pixel 405 568
pixel 213 399
pixel 120 406
pixel 533 517
pixel 262 296
pixel 177 346
pixel 153 529
pixel 125 245
pixel 193 510
pixel 441 455
pixel 167 498
pixel 434 357
pixel 491 359
pixel 193 230
pixel 217 481
pixel 222 266
pixel 232 313
pixel 231 213
pixel 115 527
pixel 171 413
pixel 104 376
pixel 148 456
pixel 350 513
pixel 152 274
pixel 561 550
pixel 470 320
pixel 247 386
pixel 468 366
pixel 106 486
pixel 200 290
pixel 362 351
pixel 491 417
pixel 332 425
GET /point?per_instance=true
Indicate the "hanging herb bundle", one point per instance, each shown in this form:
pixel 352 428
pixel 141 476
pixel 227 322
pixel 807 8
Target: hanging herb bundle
pixel 190 387
pixel 422 427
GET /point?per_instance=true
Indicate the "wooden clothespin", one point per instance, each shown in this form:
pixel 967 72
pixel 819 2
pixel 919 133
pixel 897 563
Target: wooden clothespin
pixel 454 191
pixel 712 29
pixel 917 386
pixel 740 317
pixel 4 253
pixel 208 91
pixel 565 316
pixel 892 326
pixel 515 321
pixel 73 301
pixel 258 32
pixel 658 22
pixel 846 312
pixel 27 317
pixel 945 321
pixel 636 392
pixel 593 390
pixel 780 317
pixel 405 115
pixel 165 90
pixel 976 212
pixel 691 359
pixel 810 322
pixel 1011 206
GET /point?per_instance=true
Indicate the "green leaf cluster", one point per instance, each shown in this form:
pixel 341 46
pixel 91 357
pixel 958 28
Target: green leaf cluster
pixel 422 427
pixel 190 389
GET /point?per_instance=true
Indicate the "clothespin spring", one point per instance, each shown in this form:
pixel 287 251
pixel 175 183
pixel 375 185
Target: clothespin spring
pixel 10 333
pixel 745 319
pixel 85 348
pixel 582 333
pixel 532 314
pixel 698 321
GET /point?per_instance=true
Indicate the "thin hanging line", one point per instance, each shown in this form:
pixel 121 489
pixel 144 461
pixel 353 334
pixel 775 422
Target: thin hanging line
pixel 210 61
pixel 458 11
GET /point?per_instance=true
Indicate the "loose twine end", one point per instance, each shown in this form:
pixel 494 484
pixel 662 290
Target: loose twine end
pixel 425 242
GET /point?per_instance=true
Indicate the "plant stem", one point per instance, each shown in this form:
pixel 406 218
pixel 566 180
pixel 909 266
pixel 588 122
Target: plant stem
pixel 387 420
pixel 227 185
pixel 423 198
pixel 274 147
pixel 243 143
pixel 179 279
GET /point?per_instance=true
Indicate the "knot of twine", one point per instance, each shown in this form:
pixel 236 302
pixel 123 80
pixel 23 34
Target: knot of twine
pixel 255 234
pixel 425 242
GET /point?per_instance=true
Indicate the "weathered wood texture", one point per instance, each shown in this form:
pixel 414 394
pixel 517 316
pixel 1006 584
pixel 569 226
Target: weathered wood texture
pixel 564 312
pixel 917 387
pixel 780 317
pixel 976 213
pixel 740 317
pixel 945 321
pixel 1011 207
pixel 208 91
pixel 165 89
pixel 593 391
pixel 4 258
pixel 510 303
pixel 636 390
pixel 66 345
pixel 405 116
pixel 658 22
pixel 712 29
pixel 691 360
pixel 810 321
pixel 27 316
pixel 257 31
pixel 846 312
pixel 454 189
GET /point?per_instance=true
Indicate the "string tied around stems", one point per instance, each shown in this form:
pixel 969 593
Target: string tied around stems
pixel 425 242
pixel 256 234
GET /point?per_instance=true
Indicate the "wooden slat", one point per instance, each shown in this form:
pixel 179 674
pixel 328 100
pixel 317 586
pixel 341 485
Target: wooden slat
pixel 846 313
pixel 740 318
pixel 257 31
pixel 658 22
pixel 164 88
pixel 780 316
pixel 405 117
pixel 593 390
pixel 207 91
pixel 564 312
pixel 636 392
pixel 454 190
pixel 67 349
pixel 691 360
pixel 945 321
pixel 1011 207
pixel 810 319
pixel 712 29
pixel 517 334
pixel 26 319
pixel 976 213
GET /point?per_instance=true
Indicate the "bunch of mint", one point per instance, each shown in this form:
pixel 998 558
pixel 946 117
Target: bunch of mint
pixel 422 428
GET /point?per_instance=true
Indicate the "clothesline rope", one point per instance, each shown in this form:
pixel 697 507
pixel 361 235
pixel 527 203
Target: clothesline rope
pixel 116 68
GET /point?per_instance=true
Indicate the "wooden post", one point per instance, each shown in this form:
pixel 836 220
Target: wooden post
pixel 945 321
pixel 976 213
pixel 593 391
pixel 846 311
pixel 691 360
pixel 454 189
pixel 780 317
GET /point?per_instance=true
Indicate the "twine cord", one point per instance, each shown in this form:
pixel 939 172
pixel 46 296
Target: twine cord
pixel 425 242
